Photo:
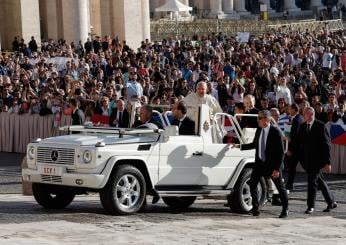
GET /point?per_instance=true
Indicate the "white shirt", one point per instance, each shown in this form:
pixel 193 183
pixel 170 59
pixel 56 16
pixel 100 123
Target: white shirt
pixel 264 133
pixel 327 60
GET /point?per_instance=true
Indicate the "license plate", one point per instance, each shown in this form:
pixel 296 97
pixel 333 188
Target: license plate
pixel 51 170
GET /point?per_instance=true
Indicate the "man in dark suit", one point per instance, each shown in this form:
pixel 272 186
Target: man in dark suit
pixel 314 155
pixel 296 121
pixel 120 116
pixel 268 161
pixel 77 114
pixel 146 118
pixel 185 124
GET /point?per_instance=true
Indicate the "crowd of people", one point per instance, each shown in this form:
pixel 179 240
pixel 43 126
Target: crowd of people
pixel 273 70
pixel 293 76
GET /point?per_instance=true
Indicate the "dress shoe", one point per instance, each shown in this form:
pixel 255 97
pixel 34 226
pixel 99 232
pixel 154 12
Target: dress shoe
pixel 309 211
pixel 330 207
pixel 284 214
pixel 276 200
pixel 255 212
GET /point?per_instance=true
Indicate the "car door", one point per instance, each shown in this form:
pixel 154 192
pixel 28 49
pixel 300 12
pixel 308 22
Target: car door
pixel 179 162
pixel 218 164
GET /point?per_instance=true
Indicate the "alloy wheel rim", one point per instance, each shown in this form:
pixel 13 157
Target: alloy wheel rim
pixel 246 194
pixel 127 191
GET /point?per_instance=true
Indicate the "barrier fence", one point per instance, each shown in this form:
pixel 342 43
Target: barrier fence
pixel 166 29
pixel 16 131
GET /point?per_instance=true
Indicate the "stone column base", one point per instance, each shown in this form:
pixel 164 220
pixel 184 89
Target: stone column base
pixel 218 14
pixel 26 186
pixel 293 10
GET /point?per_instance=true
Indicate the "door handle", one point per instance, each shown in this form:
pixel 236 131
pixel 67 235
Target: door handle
pixel 197 153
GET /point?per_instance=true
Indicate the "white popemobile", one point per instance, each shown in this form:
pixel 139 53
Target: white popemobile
pixel 126 165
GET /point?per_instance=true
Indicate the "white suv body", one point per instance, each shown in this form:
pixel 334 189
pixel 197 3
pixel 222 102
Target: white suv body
pixel 125 165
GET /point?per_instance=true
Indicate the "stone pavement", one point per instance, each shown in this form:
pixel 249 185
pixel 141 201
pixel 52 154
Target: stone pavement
pixel 208 221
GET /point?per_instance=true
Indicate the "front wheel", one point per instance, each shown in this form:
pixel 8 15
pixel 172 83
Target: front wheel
pixel 241 201
pixel 52 197
pixel 179 202
pixel 125 191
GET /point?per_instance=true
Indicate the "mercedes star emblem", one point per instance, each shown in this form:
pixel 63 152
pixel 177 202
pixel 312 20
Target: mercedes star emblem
pixel 54 155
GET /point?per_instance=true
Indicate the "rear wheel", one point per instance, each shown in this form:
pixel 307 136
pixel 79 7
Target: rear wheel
pixel 241 201
pixel 125 191
pixel 52 197
pixel 179 202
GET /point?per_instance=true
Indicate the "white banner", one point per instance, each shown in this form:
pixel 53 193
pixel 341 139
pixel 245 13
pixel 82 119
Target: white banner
pixel 58 62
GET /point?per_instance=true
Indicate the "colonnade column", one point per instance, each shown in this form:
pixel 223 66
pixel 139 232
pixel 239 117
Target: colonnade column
pixel 228 6
pixel 315 3
pixel 216 7
pixel 146 19
pixel 95 16
pixel 290 5
pixel 76 19
pixel 239 6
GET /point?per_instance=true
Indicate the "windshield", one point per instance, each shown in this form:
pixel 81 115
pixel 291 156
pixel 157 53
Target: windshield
pixel 127 139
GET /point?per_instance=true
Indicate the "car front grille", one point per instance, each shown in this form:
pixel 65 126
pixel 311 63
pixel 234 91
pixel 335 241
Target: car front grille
pixel 55 155
pixel 51 178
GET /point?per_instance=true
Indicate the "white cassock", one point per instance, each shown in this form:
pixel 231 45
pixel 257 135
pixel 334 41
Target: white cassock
pixel 193 101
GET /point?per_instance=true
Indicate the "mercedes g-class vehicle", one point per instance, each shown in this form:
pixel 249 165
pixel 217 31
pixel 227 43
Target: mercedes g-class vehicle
pixel 125 165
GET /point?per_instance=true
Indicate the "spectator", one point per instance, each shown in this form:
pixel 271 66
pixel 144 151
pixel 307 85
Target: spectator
pixel 119 117
pixel 78 116
pixel 33 45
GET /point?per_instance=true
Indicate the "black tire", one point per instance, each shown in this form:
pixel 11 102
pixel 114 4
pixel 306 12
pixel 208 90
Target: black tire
pixel 116 192
pixel 240 200
pixel 179 203
pixel 52 197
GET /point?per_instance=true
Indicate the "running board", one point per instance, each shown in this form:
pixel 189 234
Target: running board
pixel 194 193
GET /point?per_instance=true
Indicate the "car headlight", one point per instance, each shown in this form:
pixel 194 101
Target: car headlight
pixel 31 153
pixel 87 156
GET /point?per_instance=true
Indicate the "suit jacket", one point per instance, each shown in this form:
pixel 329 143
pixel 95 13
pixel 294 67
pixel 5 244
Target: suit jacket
pixel 187 126
pixel 78 117
pixel 274 152
pixel 314 146
pixel 125 119
pixel 296 122
pixel 139 123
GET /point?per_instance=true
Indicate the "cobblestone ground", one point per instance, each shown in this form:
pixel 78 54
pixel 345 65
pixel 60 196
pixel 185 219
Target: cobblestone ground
pixel 208 221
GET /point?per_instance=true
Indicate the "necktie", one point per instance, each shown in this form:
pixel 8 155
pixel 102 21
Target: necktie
pixel 262 153
pixel 120 115
pixel 308 128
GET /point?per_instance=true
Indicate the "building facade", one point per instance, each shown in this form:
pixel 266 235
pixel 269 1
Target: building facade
pixel 76 20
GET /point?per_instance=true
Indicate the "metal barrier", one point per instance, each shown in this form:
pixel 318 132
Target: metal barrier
pixel 166 28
